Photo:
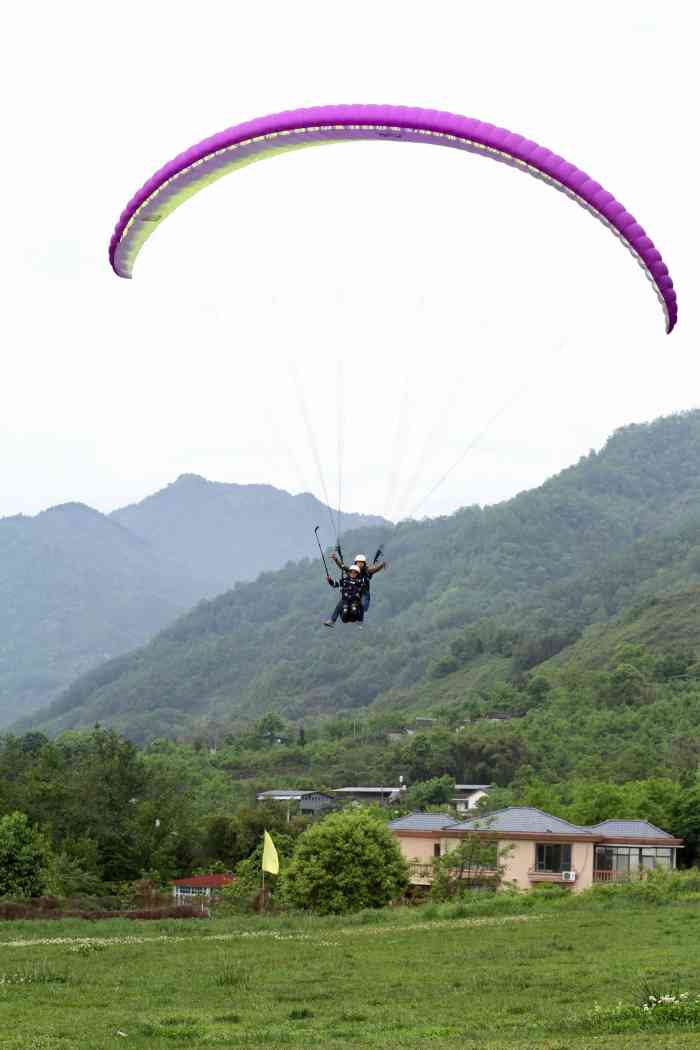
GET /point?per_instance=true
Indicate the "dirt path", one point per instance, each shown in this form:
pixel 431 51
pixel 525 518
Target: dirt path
pixel 277 935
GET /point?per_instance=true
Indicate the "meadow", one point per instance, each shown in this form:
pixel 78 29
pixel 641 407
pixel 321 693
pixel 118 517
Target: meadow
pixel 526 972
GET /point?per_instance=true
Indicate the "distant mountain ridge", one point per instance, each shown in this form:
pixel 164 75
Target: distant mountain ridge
pixel 78 587
pixel 618 527
pixel 193 522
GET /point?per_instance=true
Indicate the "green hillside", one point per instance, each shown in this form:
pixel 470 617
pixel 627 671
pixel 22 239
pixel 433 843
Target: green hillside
pixel 482 595
pixel 75 589
pixel 78 587
pixel 655 585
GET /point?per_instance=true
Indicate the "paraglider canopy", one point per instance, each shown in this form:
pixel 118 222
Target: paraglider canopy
pixel 268 136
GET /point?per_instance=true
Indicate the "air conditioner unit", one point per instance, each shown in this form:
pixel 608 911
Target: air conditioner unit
pixel 568 876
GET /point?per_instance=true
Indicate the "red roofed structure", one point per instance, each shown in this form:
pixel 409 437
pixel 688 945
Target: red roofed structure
pixel 198 886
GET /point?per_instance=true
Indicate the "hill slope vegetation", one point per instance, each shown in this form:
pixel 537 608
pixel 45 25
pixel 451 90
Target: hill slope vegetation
pixel 468 600
pixel 78 587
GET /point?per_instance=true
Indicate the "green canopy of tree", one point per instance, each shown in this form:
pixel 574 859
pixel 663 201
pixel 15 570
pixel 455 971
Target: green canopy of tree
pixel 345 863
pixel 24 856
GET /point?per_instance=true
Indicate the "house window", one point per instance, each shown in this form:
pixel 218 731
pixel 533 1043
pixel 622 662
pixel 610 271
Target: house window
pixel 436 849
pixel 627 860
pixel 656 857
pixel 552 856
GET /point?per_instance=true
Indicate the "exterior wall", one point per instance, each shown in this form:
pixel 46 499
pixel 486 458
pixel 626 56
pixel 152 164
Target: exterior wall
pixel 470 802
pixel 418 848
pixel 582 858
pixel 519 860
pixel 315 803
pixel 517 856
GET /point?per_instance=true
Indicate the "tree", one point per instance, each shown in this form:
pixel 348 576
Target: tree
pixel 686 823
pixel 65 878
pixel 537 688
pixel 269 727
pixel 477 863
pixel 438 791
pixel 595 802
pixel 346 862
pixel 24 855
pixel 627 685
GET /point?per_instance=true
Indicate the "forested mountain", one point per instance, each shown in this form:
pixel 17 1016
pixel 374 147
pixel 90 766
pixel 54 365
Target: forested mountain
pixel 482 596
pixel 219 533
pixel 78 587
pixel 75 589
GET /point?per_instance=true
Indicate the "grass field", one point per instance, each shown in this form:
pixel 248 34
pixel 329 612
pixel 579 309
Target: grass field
pixel 438 977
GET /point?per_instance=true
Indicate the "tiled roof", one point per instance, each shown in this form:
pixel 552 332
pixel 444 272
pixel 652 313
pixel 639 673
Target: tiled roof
pixel 630 829
pixel 522 820
pixel 291 794
pixel 526 820
pixel 367 790
pixel 203 880
pixel 423 822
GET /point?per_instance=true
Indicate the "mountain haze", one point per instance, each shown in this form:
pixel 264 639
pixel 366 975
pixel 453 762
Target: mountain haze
pixel 75 589
pixel 463 596
pixel 219 533
pixel 78 587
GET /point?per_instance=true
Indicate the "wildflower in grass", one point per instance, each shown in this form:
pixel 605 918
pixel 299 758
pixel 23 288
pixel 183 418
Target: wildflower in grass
pixel 39 975
pixel 672 1009
pixel 86 948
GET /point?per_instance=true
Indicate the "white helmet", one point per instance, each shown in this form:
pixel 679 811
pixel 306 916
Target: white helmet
pixel 360 557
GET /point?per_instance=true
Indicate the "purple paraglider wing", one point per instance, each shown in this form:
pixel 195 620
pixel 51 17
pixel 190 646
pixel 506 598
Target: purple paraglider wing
pixel 238 146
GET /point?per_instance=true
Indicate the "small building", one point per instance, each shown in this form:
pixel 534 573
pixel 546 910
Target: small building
pixel 536 847
pixel 198 888
pixel 381 795
pixel 468 796
pixel 308 803
pixel 501 716
pixel 398 736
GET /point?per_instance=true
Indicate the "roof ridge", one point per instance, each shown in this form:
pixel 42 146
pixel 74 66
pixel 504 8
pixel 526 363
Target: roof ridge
pixel 631 820
pixel 533 809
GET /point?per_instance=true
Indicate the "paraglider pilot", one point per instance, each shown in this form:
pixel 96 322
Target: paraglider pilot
pixel 354 585
pixel 366 573
pixel 350 604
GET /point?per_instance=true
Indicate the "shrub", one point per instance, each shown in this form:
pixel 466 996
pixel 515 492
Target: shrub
pixel 661 886
pixel 14 910
pixel 345 863
pixel 24 855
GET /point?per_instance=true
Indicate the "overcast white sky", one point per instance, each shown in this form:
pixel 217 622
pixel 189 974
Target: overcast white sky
pixel 443 282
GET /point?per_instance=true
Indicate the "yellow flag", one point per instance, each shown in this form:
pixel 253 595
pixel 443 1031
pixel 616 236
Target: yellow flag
pixel 270 860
